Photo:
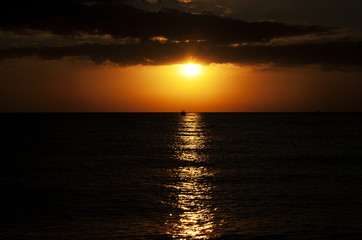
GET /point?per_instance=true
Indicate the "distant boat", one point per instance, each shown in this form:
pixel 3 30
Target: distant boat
pixel 183 113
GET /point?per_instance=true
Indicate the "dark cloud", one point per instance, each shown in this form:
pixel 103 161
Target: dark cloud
pixel 334 12
pixel 331 12
pixel 180 31
pixel 336 55
pixel 120 20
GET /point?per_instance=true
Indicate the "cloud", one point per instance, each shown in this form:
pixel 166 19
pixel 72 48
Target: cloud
pixel 334 55
pixel 332 12
pixel 120 20
pixel 140 36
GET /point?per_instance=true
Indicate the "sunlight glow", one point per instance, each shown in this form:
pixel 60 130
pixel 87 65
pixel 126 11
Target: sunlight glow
pixel 191 69
pixel 163 88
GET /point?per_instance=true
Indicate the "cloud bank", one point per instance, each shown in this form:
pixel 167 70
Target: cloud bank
pixel 337 55
pixel 167 36
pixel 120 20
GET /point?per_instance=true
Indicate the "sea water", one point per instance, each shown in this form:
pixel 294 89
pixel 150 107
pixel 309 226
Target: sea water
pixel 167 176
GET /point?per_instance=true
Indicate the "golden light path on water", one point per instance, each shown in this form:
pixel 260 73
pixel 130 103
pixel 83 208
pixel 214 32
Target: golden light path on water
pixel 191 191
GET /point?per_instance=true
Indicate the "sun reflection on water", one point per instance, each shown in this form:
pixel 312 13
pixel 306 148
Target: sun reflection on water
pixel 191 191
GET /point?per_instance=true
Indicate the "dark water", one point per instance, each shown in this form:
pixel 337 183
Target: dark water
pixel 164 176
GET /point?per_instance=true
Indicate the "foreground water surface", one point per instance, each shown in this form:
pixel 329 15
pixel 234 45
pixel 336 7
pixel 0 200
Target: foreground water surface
pixel 166 176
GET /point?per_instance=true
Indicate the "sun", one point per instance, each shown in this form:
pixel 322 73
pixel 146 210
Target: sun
pixel 190 69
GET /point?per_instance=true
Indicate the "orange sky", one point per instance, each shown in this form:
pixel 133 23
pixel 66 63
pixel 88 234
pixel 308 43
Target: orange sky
pixel 70 85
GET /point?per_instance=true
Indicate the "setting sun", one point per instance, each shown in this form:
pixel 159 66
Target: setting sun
pixel 191 69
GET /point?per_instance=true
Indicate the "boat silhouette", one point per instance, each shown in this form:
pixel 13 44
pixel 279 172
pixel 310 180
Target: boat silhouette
pixel 183 113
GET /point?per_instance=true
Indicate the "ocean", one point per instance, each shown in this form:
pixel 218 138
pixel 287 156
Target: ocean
pixel 166 176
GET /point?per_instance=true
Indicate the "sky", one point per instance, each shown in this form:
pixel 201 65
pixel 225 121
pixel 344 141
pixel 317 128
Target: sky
pixel 168 55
